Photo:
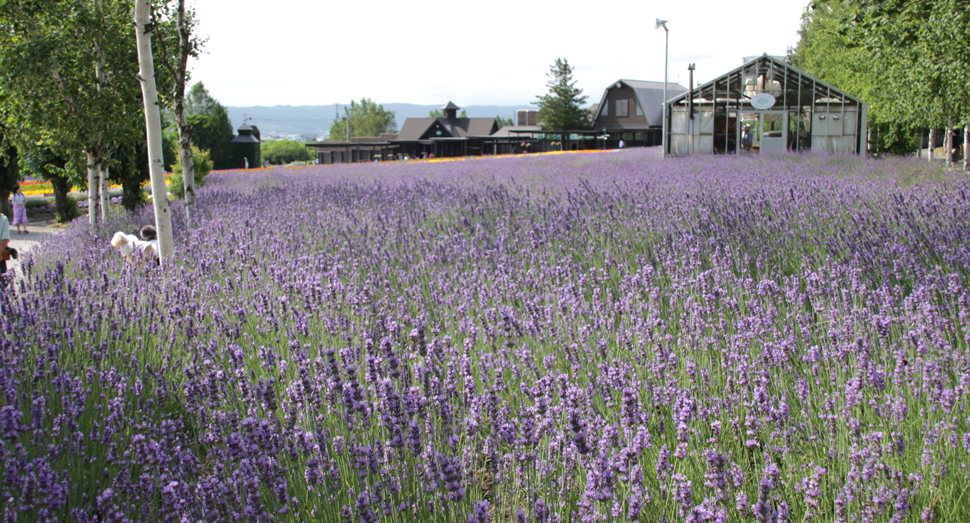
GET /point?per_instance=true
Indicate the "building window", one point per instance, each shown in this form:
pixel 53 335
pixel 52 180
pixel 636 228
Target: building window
pixel 639 110
pixel 606 109
pixel 622 108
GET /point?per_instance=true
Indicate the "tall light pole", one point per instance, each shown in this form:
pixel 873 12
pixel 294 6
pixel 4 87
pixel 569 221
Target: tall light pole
pixel 690 110
pixel 663 140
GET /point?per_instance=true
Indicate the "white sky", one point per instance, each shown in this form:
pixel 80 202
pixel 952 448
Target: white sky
pixel 491 52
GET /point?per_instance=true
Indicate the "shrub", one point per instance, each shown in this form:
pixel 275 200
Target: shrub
pixel 38 203
pixel 70 211
pixel 203 166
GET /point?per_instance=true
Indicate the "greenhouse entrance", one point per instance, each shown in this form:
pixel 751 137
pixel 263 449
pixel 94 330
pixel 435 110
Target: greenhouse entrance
pixel 769 130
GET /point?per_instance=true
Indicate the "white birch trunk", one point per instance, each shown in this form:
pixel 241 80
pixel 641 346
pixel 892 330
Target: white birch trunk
pixel 948 144
pixel 105 194
pixel 93 185
pixel 153 126
pixel 932 143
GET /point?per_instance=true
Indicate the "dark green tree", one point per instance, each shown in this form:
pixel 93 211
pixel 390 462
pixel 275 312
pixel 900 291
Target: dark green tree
pixel 199 101
pixel 561 108
pixel 365 118
pixel 210 125
pixel 503 122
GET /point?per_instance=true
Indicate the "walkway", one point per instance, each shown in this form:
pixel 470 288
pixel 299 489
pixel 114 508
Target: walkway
pixel 41 226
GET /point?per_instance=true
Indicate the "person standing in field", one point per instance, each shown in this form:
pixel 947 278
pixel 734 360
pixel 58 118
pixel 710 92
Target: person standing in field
pixel 19 202
pixel 747 138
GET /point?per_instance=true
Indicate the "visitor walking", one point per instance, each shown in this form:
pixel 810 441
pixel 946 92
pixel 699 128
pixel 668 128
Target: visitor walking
pixel 19 202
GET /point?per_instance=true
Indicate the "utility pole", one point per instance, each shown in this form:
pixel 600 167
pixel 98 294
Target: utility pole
pixel 663 23
pixel 690 109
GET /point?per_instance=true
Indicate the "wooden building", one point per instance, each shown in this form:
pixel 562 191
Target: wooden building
pixel 441 137
pixel 632 110
pixel 779 108
pixel 445 136
pixel 245 147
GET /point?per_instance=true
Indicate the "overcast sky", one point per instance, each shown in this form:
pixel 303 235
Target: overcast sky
pixel 497 52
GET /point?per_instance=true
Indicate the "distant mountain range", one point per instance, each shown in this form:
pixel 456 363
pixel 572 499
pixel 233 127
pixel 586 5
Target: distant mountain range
pixel 315 120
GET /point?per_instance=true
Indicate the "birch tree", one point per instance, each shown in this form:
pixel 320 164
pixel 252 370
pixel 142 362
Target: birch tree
pixel 188 46
pixel 69 66
pixel 153 128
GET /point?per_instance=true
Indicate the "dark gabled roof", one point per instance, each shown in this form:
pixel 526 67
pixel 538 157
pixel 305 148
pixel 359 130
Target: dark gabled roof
pixel 245 138
pixel 414 128
pixel 418 128
pixel 245 127
pixel 449 105
pixel 649 96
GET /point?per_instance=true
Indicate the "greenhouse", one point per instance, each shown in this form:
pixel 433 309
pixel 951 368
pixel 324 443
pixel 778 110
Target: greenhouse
pixel 765 105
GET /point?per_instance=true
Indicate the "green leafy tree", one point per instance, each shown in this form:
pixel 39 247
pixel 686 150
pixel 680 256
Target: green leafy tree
pixel 71 72
pixel 131 170
pixel 280 152
pixel 365 118
pixel 63 175
pixel 187 46
pixel 907 58
pixel 199 101
pixel 561 108
pixel 210 126
pixel 70 89
pixel 503 122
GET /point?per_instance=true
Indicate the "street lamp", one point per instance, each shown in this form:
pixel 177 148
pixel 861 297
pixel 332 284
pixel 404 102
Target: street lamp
pixel 663 140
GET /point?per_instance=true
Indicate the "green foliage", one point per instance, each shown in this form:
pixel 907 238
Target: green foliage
pixel 907 59
pixel 366 119
pixel 203 166
pixel 280 152
pixel 68 211
pixel 132 171
pixel 561 108
pixel 199 101
pixel 70 82
pixel 211 128
pixel 438 113
pixel 170 147
pixel 503 122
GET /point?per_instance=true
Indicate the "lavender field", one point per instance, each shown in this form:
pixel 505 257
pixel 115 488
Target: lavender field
pixel 564 338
